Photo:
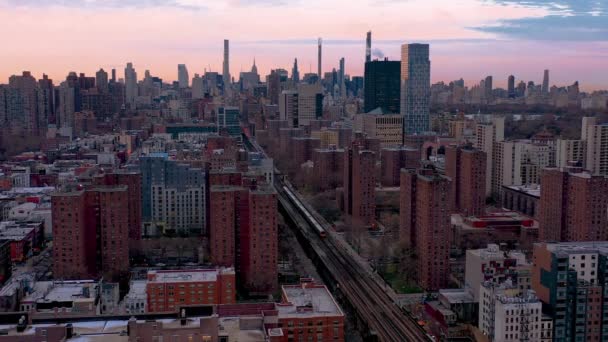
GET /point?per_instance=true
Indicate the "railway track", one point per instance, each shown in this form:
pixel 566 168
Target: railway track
pixel 364 293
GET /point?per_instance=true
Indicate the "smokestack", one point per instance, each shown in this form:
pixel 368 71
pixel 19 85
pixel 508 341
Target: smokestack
pixel 320 42
pixel 368 47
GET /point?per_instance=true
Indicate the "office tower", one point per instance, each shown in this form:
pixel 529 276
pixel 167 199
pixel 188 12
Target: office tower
pixel 466 168
pixel 299 107
pixel 415 87
pixel 182 76
pixel 295 74
pixel 131 90
pixel 368 47
pixel 173 196
pixel 425 224
pixel 254 68
pixel 319 59
pixel 310 103
pixel 168 291
pixel 545 88
pixel 387 128
pixel 393 159
pixel 228 120
pixel 488 83
pixel 488 133
pixel 91 233
pixel 569 279
pixel 511 86
pixel 568 152
pixel 382 86
pixel 288 107
pixel 226 66
pixel 360 184
pixel 24 103
pixel 341 80
pixel 596 138
pixel 46 101
pixel 101 79
pixel 113 75
pixel 573 206
pixel 274 86
pixel 198 87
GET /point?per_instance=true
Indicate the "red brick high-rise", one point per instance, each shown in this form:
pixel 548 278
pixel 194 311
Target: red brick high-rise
pixel 573 206
pixel 425 204
pixel 328 168
pixel 302 148
pixel 259 243
pixel 360 184
pixel 243 233
pixel 91 233
pixel 466 167
pixel 133 181
pixel 393 159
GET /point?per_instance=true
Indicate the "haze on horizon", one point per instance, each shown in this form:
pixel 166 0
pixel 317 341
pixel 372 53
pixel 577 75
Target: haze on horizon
pixel 469 38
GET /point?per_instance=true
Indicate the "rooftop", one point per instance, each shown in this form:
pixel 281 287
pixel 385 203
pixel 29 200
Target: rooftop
pixel 308 299
pixel 566 248
pixel 179 276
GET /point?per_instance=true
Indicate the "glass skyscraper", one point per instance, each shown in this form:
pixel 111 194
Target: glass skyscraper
pixel 415 87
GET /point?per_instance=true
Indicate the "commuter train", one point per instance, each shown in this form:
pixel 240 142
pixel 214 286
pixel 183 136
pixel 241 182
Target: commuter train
pixel 306 213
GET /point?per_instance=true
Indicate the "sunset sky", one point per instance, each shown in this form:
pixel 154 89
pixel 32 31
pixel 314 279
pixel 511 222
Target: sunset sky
pixel 469 38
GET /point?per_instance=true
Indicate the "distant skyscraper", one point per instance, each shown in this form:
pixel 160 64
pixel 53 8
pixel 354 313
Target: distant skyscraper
pixel 101 79
pixel 182 75
pixel 319 59
pixel 368 47
pixel 382 86
pixel 254 68
pixel 341 81
pixel 295 74
pixel 511 86
pixel 130 85
pixel 546 82
pixel 113 75
pixel 226 68
pixel 415 87
pixel 488 88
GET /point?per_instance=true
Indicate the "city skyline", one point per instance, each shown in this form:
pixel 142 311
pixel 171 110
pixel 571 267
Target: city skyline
pixel 474 29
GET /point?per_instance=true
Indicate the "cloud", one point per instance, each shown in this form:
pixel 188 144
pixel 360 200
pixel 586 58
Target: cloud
pixel 108 4
pixel 572 20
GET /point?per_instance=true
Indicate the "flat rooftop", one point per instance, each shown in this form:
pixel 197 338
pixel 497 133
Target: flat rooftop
pixel 49 291
pixel 308 300
pixel 565 248
pixel 180 276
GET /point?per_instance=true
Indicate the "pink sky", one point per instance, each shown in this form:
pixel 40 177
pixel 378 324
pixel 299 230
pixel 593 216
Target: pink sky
pixel 88 34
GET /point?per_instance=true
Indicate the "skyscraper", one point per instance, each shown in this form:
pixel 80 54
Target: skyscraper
pixel 295 74
pixel 368 47
pixel 596 138
pixel 182 75
pixel 382 86
pixel 488 88
pixel 545 89
pixel 511 86
pixel 319 58
pixel 101 79
pixel 415 87
pixel 130 85
pixel 341 81
pixel 226 68
pixel 487 134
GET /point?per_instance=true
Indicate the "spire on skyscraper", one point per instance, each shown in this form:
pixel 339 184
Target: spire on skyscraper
pixel 295 73
pixel 254 68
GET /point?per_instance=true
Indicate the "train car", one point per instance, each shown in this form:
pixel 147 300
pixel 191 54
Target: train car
pixel 306 213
